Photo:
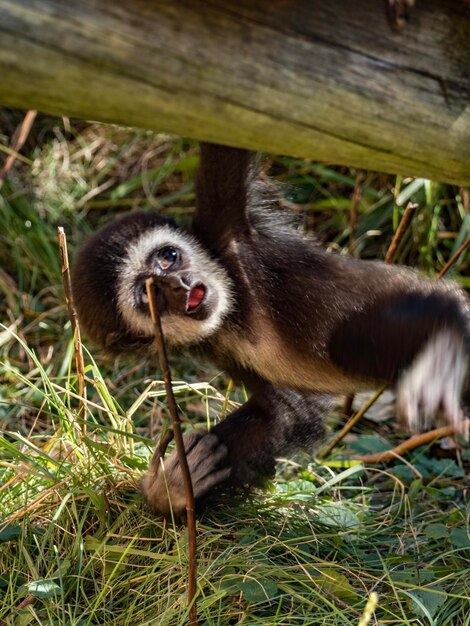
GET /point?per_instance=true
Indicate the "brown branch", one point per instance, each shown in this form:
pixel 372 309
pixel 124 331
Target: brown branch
pixel 400 232
pixel 24 130
pixel 350 423
pixel 453 259
pixel 415 441
pixel 77 344
pixel 188 487
pixel 24 603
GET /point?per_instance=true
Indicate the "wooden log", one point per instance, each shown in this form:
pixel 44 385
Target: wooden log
pixel 327 80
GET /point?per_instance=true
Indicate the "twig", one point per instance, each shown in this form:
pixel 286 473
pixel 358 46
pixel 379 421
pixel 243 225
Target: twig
pixel 399 233
pixel 24 603
pixel 77 344
pixel 454 258
pixel 415 441
pixel 350 423
pixel 24 130
pixel 188 487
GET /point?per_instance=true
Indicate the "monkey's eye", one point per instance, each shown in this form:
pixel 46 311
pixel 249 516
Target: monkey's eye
pixel 167 257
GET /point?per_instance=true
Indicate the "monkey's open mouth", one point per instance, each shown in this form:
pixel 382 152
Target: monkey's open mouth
pixel 195 298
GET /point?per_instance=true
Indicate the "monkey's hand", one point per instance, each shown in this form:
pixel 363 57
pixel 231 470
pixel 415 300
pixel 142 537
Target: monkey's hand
pixel 433 384
pixel 163 486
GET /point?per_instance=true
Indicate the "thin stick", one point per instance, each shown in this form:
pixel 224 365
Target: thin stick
pixel 415 441
pixel 399 233
pixel 347 427
pixel 188 487
pixel 24 130
pixel 454 258
pixel 77 344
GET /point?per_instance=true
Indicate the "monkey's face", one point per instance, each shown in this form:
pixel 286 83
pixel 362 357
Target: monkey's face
pixel 193 291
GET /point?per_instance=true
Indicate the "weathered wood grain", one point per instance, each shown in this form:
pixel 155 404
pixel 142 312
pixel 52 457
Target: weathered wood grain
pixel 327 80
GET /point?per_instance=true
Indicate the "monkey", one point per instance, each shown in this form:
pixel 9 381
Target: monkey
pixel 268 304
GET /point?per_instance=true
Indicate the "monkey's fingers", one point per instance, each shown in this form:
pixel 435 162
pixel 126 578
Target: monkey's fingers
pixel 160 450
pixel 209 454
pixel 190 440
pixel 164 490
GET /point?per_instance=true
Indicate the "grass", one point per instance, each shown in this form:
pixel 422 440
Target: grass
pixel 77 546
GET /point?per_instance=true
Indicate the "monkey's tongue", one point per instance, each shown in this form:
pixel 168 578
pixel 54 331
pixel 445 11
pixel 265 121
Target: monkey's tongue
pixel 195 298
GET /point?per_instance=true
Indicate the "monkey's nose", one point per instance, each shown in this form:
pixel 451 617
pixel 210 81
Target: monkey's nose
pixel 180 282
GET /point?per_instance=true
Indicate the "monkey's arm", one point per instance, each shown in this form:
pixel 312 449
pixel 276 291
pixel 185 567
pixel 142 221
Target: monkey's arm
pixel 222 194
pixel 240 451
pixel 418 339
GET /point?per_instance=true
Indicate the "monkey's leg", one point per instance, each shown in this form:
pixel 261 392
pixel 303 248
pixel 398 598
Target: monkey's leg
pixel 420 341
pixel 239 452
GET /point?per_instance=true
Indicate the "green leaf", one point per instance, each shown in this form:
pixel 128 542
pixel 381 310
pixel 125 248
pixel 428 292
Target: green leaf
pixel 426 603
pixel 24 617
pixel 436 531
pixel 459 537
pixel 437 467
pixel 44 589
pixel 63 568
pixel 337 584
pixel 415 488
pixel 10 532
pixel 369 444
pixel 338 516
pixel 403 473
pixel 256 591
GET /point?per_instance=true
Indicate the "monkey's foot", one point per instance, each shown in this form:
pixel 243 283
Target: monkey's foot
pixel 163 487
pixel 433 383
